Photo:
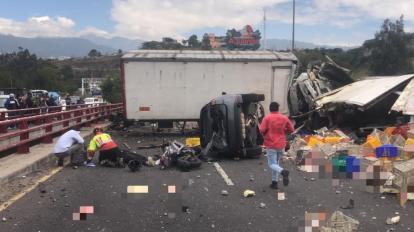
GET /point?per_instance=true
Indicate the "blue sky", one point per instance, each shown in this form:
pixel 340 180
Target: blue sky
pixel 332 22
pixel 85 13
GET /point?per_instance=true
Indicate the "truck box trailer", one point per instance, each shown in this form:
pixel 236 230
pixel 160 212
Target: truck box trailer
pixel 174 85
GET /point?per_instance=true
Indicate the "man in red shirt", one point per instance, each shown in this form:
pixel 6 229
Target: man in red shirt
pixel 274 128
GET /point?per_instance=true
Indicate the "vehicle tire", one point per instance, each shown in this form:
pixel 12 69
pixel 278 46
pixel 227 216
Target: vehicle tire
pixel 187 163
pixel 254 151
pixel 252 97
pixel 134 165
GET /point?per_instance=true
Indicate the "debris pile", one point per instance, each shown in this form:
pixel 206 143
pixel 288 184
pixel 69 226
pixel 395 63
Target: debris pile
pixel 384 158
pixel 176 153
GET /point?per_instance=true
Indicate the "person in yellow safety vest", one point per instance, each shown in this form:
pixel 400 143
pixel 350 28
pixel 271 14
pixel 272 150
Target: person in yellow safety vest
pixel 108 149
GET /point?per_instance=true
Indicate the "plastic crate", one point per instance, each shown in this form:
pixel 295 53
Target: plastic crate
pixel 386 150
pixel 192 142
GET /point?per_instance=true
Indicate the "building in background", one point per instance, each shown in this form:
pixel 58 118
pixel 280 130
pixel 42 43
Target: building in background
pixel 244 39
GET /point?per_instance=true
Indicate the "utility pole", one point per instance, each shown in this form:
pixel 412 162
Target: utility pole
pixel 264 29
pixel 293 27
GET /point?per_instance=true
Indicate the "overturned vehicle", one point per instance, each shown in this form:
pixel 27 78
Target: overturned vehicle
pixel 229 125
pixel 326 95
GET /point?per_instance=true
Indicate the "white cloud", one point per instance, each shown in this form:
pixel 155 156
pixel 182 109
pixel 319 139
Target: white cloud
pixel 149 19
pixel 45 26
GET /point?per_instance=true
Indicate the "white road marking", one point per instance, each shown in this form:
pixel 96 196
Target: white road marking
pixel 15 198
pixel 223 174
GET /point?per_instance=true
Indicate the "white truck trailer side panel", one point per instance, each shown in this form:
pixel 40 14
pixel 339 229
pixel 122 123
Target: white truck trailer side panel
pixel 178 90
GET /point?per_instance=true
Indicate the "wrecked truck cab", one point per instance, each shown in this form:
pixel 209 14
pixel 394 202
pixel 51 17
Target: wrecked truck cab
pixel 230 123
pixel 321 78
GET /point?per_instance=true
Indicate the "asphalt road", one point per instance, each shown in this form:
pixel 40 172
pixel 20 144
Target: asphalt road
pixel 50 207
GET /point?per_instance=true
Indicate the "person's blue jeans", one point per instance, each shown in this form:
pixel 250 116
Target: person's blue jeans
pixel 273 157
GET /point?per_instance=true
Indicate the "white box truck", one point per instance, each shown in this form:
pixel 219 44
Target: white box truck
pixel 174 85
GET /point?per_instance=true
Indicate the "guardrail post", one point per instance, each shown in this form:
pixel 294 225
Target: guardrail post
pixel 24 147
pixel 66 116
pixel 78 116
pixel 48 130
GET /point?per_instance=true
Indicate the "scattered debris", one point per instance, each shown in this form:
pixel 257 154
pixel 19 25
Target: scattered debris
pixel 127 146
pixel 4 219
pixel 42 188
pixel 185 209
pixel 340 222
pixel 262 205
pixel 281 196
pixel 393 220
pixel 224 192
pixel 351 205
pixel 150 162
pixel 249 193
pixel 337 192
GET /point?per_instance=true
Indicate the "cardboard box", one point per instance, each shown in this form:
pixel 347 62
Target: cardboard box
pixel 410 134
pixel 404 176
pixel 408 152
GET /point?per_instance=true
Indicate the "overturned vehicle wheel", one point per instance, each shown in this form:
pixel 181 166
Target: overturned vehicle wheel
pixel 134 165
pixel 187 163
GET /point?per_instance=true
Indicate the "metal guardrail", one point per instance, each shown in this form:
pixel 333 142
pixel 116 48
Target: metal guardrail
pixel 20 132
pixel 18 113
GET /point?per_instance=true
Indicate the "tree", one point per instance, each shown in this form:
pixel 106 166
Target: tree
pixel 120 52
pixel 151 45
pixel 389 51
pixel 111 89
pixel 94 53
pixel 205 43
pixel 193 41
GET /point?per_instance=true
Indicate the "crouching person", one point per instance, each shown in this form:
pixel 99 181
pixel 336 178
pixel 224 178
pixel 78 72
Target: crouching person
pixel 70 144
pixel 108 150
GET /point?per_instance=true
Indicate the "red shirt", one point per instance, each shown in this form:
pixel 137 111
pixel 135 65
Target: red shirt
pixel 274 128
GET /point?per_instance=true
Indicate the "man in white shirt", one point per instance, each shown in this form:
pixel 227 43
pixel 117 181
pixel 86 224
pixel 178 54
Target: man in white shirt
pixel 66 146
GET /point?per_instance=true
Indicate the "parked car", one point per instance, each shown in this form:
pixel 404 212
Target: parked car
pixel 93 101
pixel 229 125
pixel 38 92
pixel 3 99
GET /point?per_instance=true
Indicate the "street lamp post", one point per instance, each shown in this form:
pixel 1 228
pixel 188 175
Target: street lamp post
pixel 293 26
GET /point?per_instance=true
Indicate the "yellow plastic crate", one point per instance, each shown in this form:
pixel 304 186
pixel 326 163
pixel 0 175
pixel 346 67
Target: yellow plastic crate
pixel 373 142
pixel 332 139
pixel 409 141
pixel 192 142
pixel 313 141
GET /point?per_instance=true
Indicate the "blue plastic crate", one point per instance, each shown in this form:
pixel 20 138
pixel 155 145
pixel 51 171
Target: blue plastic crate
pixel 386 150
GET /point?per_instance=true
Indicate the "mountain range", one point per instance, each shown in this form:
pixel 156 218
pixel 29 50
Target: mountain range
pixel 60 47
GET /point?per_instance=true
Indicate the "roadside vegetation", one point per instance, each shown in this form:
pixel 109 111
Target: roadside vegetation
pixel 390 52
